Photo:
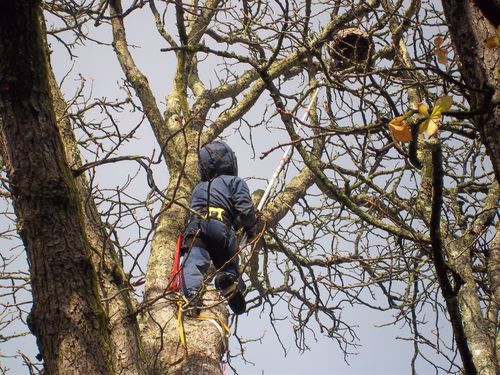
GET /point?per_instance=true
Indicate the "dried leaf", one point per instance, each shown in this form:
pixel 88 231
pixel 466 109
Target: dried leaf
pixel 400 129
pixel 442 56
pixel 438 41
pixel 441 53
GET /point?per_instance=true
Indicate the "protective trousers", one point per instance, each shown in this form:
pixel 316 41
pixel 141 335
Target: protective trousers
pixel 214 241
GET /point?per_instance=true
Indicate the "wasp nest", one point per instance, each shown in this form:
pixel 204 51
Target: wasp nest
pixel 350 47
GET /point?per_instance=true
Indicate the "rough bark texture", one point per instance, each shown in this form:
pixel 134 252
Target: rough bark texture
pixel 474 323
pixel 67 316
pixel 471 23
pixel 494 275
pixel 113 285
pixel 479 66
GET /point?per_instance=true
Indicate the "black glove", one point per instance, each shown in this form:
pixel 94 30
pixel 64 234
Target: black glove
pixel 251 233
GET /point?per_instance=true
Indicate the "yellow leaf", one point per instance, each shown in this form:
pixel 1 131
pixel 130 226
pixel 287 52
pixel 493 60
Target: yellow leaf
pixel 443 104
pixel 422 108
pixel 400 129
pixel 430 126
pixel 423 127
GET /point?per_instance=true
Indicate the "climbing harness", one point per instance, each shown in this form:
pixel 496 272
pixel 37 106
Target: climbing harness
pixel 215 213
pixel 222 328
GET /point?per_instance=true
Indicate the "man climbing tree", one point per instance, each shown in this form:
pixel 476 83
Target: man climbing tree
pixel 221 204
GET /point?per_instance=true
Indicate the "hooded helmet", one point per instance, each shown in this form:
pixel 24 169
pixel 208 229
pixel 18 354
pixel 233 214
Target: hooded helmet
pixel 216 159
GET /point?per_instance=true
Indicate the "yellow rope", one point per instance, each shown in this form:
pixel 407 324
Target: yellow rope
pixel 180 325
pixel 182 336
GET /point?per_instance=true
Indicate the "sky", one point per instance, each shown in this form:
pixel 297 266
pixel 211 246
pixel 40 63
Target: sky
pixel 379 351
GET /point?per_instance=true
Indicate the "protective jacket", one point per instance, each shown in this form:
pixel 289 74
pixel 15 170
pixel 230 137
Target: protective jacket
pixel 220 187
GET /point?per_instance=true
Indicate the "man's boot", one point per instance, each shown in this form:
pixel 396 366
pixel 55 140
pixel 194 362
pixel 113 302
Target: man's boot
pixel 231 289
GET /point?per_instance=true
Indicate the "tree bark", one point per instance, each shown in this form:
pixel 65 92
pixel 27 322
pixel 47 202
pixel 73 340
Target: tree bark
pixel 475 326
pixel 494 276
pixel 471 23
pixel 113 285
pixel 67 317
pixel 479 66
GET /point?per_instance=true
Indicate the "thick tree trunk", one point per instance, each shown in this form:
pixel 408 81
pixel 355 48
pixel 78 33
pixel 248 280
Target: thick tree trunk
pixel 471 23
pixel 67 316
pixel 494 276
pixel 479 66
pixel 114 287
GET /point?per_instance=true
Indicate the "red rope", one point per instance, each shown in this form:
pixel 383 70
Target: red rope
pixel 175 278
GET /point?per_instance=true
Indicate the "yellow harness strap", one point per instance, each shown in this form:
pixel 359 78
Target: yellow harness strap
pixel 215 213
pixel 179 323
pixel 182 336
pixel 215 320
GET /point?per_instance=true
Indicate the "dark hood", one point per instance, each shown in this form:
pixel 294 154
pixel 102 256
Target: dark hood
pixel 216 159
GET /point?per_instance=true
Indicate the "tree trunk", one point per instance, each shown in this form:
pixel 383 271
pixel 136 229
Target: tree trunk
pixel 479 66
pixel 494 276
pixel 114 286
pixel 452 258
pixel 471 23
pixel 67 316
pixel 475 325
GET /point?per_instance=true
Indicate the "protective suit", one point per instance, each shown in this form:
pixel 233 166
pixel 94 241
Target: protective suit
pixel 223 204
